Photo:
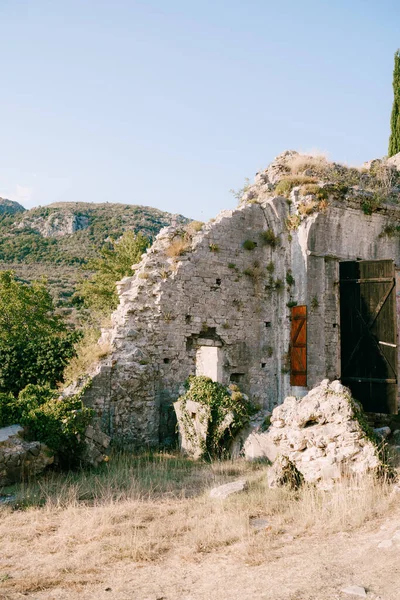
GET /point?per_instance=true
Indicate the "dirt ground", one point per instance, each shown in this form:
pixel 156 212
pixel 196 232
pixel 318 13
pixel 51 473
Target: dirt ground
pixel 306 568
pixel 149 530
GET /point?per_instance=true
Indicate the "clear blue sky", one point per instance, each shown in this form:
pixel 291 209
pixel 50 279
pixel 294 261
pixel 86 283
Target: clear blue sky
pixel 170 103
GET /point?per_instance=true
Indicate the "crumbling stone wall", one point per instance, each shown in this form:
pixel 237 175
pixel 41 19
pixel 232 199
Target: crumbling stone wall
pixel 232 288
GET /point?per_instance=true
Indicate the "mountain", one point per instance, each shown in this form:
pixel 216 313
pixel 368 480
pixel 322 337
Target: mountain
pixel 9 207
pixel 58 240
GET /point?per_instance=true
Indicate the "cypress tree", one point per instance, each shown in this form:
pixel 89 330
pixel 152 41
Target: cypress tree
pixel 394 140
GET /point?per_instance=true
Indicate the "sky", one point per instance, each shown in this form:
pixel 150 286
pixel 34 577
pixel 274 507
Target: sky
pixel 171 104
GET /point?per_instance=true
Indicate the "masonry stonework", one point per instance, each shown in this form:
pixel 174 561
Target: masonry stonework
pixel 231 288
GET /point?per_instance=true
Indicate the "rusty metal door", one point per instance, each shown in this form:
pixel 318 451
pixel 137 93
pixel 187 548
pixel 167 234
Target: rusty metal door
pixel 368 328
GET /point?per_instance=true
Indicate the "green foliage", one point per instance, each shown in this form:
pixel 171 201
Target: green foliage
pixel 370 204
pixel 287 183
pixel 35 344
pixel 249 245
pixel 268 238
pixel 289 278
pixel 314 189
pixel 270 267
pixel 221 401
pixel 99 292
pixel 394 141
pixel 214 248
pixel 58 423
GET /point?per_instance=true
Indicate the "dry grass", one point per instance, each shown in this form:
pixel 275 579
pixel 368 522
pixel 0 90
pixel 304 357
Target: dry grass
pixel 177 247
pixel 89 351
pixel 141 509
pixel 318 165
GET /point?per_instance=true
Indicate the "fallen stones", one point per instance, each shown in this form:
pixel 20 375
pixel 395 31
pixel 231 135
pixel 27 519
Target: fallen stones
pixel 96 446
pixel 223 491
pixel 20 459
pixel 316 438
pixel 355 590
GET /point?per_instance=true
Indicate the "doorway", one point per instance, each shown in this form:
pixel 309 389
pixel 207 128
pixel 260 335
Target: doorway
pixel 368 326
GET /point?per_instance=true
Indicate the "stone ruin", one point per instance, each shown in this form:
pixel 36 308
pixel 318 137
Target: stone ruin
pixel 218 299
pixel 320 436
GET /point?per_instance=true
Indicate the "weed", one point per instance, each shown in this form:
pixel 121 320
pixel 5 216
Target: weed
pixel 293 222
pixel 268 238
pixel 213 247
pixel 178 246
pixel 314 302
pixel 249 245
pixel 270 267
pixel 287 183
pixel 289 278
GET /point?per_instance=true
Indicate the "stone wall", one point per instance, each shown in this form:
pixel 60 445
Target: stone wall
pixel 230 289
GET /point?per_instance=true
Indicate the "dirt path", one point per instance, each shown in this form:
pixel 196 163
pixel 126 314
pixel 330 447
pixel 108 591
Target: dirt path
pixel 307 568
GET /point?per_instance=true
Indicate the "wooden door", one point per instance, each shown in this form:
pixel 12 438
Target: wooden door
pixel 368 328
pixel 298 346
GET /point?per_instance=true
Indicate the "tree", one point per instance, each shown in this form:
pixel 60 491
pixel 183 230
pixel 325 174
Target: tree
pixel 99 292
pixel 35 344
pixel 394 141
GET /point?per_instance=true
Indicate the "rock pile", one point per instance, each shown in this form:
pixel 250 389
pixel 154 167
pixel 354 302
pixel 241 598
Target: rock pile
pixel 19 458
pixel 319 437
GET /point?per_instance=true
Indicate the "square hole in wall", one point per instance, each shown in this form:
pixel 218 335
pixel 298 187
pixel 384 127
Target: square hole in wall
pixel 263 365
pixel 188 318
pixel 218 281
pixel 166 361
pixel 236 377
pixel 267 323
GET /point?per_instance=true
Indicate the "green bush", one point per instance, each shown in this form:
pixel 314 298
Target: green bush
pixel 268 238
pixel 58 423
pixel 35 344
pixel 249 245
pixel 221 400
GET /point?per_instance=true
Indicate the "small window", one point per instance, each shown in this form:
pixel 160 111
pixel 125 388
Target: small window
pixel 236 377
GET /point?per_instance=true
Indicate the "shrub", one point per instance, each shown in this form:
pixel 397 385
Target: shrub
pixel 249 245
pixel 289 278
pixel 292 222
pixel 177 247
pixel 222 402
pixel 35 344
pixel 315 190
pixel 194 227
pixel 58 423
pixel 287 183
pixel 268 238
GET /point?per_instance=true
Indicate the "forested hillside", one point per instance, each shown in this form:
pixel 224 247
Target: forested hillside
pixel 58 241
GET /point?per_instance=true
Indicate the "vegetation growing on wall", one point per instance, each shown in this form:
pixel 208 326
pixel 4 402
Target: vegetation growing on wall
pixel 224 404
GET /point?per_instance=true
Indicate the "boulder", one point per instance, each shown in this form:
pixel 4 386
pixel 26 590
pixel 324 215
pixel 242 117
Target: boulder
pixel 223 491
pixel 317 438
pixel 20 459
pixel 193 419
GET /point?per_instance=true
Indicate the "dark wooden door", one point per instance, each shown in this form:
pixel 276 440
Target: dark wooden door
pixel 298 346
pixel 368 327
